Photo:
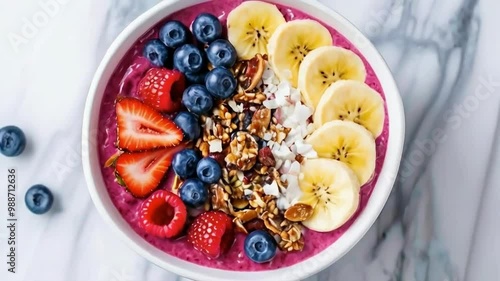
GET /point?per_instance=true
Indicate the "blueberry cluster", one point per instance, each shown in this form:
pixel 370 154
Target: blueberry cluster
pixel 197 174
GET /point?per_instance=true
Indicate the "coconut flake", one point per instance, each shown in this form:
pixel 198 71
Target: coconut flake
pixel 235 106
pixel 294 169
pixel 271 104
pixel 271 189
pixel 282 203
pixel 303 148
pixel 267 136
pixel 247 192
pixel 215 145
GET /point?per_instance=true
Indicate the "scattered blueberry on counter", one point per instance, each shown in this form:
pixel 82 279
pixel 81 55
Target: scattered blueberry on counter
pixel 260 246
pixel 157 53
pixel 197 99
pixel 185 162
pixel 208 170
pixel 188 123
pixel 193 192
pixel 39 199
pixel 174 34
pixel 12 141
pixel 207 28
pixel 220 82
pixel 221 53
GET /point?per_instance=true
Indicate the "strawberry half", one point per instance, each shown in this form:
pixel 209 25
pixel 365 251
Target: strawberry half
pixel 140 127
pixel 211 233
pixel 163 214
pixel 163 88
pixel 142 172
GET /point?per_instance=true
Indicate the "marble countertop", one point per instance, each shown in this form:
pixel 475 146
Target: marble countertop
pixel 440 224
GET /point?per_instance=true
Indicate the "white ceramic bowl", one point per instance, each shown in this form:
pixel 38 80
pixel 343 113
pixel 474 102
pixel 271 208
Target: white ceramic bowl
pixel 298 271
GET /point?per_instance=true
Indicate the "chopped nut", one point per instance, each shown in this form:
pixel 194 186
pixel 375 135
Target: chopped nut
pixel 299 212
pixel 291 238
pixel 219 197
pixel 238 224
pixel 243 155
pixel 246 215
pixel 260 122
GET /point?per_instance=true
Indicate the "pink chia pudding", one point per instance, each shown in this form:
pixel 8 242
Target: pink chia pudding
pixel 124 83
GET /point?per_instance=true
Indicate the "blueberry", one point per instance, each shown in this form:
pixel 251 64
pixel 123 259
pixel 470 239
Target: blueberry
pixel 197 99
pixel 207 28
pixel 12 141
pixel 221 53
pixel 185 162
pixel 196 78
pixel 174 34
pixel 193 192
pixel 188 123
pixel 208 170
pixel 157 53
pixel 189 58
pixel 260 246
pixel 221 83
pixel 247 120
pixel 39 199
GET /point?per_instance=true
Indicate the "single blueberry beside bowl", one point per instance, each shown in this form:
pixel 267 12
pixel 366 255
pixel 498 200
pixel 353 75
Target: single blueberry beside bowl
pixel 185 162
pixel 188 123
pixel 157 53
pixel 208 170
pixel 197 99
pixel 174 34
pixel 221 53
pixel 207 28
pixel 189 58
pixel 193 192
pixel 221 83
pixel 12 141
pixel 260 246
pixel 39 199
pixel 196 78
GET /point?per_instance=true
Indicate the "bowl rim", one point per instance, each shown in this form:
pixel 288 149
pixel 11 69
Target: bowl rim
pixel 297 271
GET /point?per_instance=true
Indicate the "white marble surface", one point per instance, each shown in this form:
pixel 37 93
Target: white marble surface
pixel 440 224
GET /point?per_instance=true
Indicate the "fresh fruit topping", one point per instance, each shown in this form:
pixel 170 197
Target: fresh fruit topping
pixel 196 78
pixel 324 66
pixel 299 212
pixel 38 199
pixel 163 214
pixel 193 192
pixel 212 233
pixel 207 28
pixel 221 53
pixel 354 101
pixel 349 143
pixel 12 141
pixel 174 34
pixel 162 89
pixel 290 44
pixel 185 162
pixel 331 188
pixel 197 99
pixel 208 170
pixel 266 157
pixel 157 53
pixel 189 59
pixel 188 122
pixel 251 25
pixel 221 83
pixel 260 246
pixel 250 72
pixel 142 172
pixel 140 127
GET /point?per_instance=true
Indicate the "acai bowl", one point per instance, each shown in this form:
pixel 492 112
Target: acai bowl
pixel 248 137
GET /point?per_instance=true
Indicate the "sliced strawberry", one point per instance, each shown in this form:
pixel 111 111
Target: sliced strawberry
pixel 212 233
pixel 162 88
pixel 142 172
pixel 163 214
pixel 140 127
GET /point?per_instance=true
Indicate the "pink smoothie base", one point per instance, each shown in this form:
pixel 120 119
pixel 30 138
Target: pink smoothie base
pixel 123 82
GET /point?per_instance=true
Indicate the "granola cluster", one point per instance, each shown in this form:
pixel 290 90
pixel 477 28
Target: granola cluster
pixel 235 134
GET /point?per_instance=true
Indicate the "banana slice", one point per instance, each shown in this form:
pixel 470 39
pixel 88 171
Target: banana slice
pixel 332 189
pixel 291 42
pixel 349 143
pixel 354 101
pixel 250 26
pixel 324 66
